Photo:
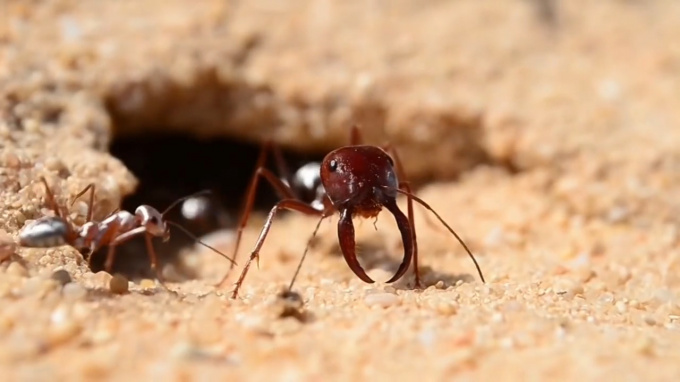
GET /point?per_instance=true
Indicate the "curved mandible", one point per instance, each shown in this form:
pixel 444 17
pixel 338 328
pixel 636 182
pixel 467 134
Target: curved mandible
pixel 348 245
pixel 406 237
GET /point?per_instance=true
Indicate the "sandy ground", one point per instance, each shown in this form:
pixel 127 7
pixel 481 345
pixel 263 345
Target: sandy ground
pixel 550 144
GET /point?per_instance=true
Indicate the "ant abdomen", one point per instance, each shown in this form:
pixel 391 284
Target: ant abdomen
pixel 44 233
pixel 307 183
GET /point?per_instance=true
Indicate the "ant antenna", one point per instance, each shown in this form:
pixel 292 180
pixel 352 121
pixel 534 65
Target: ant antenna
pixel 424 204
pixel 192 236
pixel 180 200
pixel 304 254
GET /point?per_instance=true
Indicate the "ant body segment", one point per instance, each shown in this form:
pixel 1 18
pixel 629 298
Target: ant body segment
pixel 117 228
pixel 356 181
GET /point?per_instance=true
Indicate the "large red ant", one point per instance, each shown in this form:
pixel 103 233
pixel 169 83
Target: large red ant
pixel 115 229
pixel 355 180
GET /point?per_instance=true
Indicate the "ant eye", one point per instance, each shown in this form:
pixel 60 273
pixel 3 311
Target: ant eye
pixel 333 165
pixel 391 160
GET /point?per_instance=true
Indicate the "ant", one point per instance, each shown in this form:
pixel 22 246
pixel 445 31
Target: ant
pixel 118 227
pixel 355 180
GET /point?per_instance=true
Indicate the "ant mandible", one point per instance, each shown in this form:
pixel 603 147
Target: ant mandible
pixel 356 180
pixel 118 227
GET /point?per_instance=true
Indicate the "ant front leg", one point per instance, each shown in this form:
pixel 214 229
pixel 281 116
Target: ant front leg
pixel 117 240
pixel 287 204
pixel 283 189
pixel 153 259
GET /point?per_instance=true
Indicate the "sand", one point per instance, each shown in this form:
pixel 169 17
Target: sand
pixel 549 141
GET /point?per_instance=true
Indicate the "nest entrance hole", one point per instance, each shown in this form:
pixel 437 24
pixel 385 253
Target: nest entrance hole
pixel 170 166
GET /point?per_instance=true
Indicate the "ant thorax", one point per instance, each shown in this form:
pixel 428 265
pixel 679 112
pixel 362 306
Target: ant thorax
pixel 307 181
pixel 86 235
pixel 124 219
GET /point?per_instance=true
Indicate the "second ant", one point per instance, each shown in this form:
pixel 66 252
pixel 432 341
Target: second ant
pixel 356 181
pixel 115 229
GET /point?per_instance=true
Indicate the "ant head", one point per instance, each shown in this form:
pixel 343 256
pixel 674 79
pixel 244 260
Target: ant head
pixel 45 232
pixel 359 177
pixel 153 221
pixel 307 180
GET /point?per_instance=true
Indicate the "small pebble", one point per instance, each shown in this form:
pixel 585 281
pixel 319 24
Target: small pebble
pixel 621 307
pixel 54 164
pixel 17 269
pixel 101 336
pixel 63 326
pixel 290 304
pixel 507 343
pixel 36 286
pixel 606 299
pixel 7 246
pixel 646 346
pixel 61 276
pixel 447 308
pixel 381 299
pixel 147 284
pixel 74 291
pixel 119 284
pixel 99 279
pixel 649 320
pixel 62 332
pixel 11 160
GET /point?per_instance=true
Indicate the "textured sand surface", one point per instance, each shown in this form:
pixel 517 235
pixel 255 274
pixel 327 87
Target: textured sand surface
pixel 552 146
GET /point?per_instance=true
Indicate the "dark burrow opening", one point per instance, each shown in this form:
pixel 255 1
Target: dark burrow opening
pixel 174 165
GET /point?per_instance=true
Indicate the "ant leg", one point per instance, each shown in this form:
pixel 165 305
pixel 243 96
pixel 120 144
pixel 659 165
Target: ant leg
pixel 282 168
pixel 275 182
pixel 154 259
pixel 119 239
pixel 304 254
pixel 90 187
pixel 287 204
pixel 51 201
pixel 110 256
